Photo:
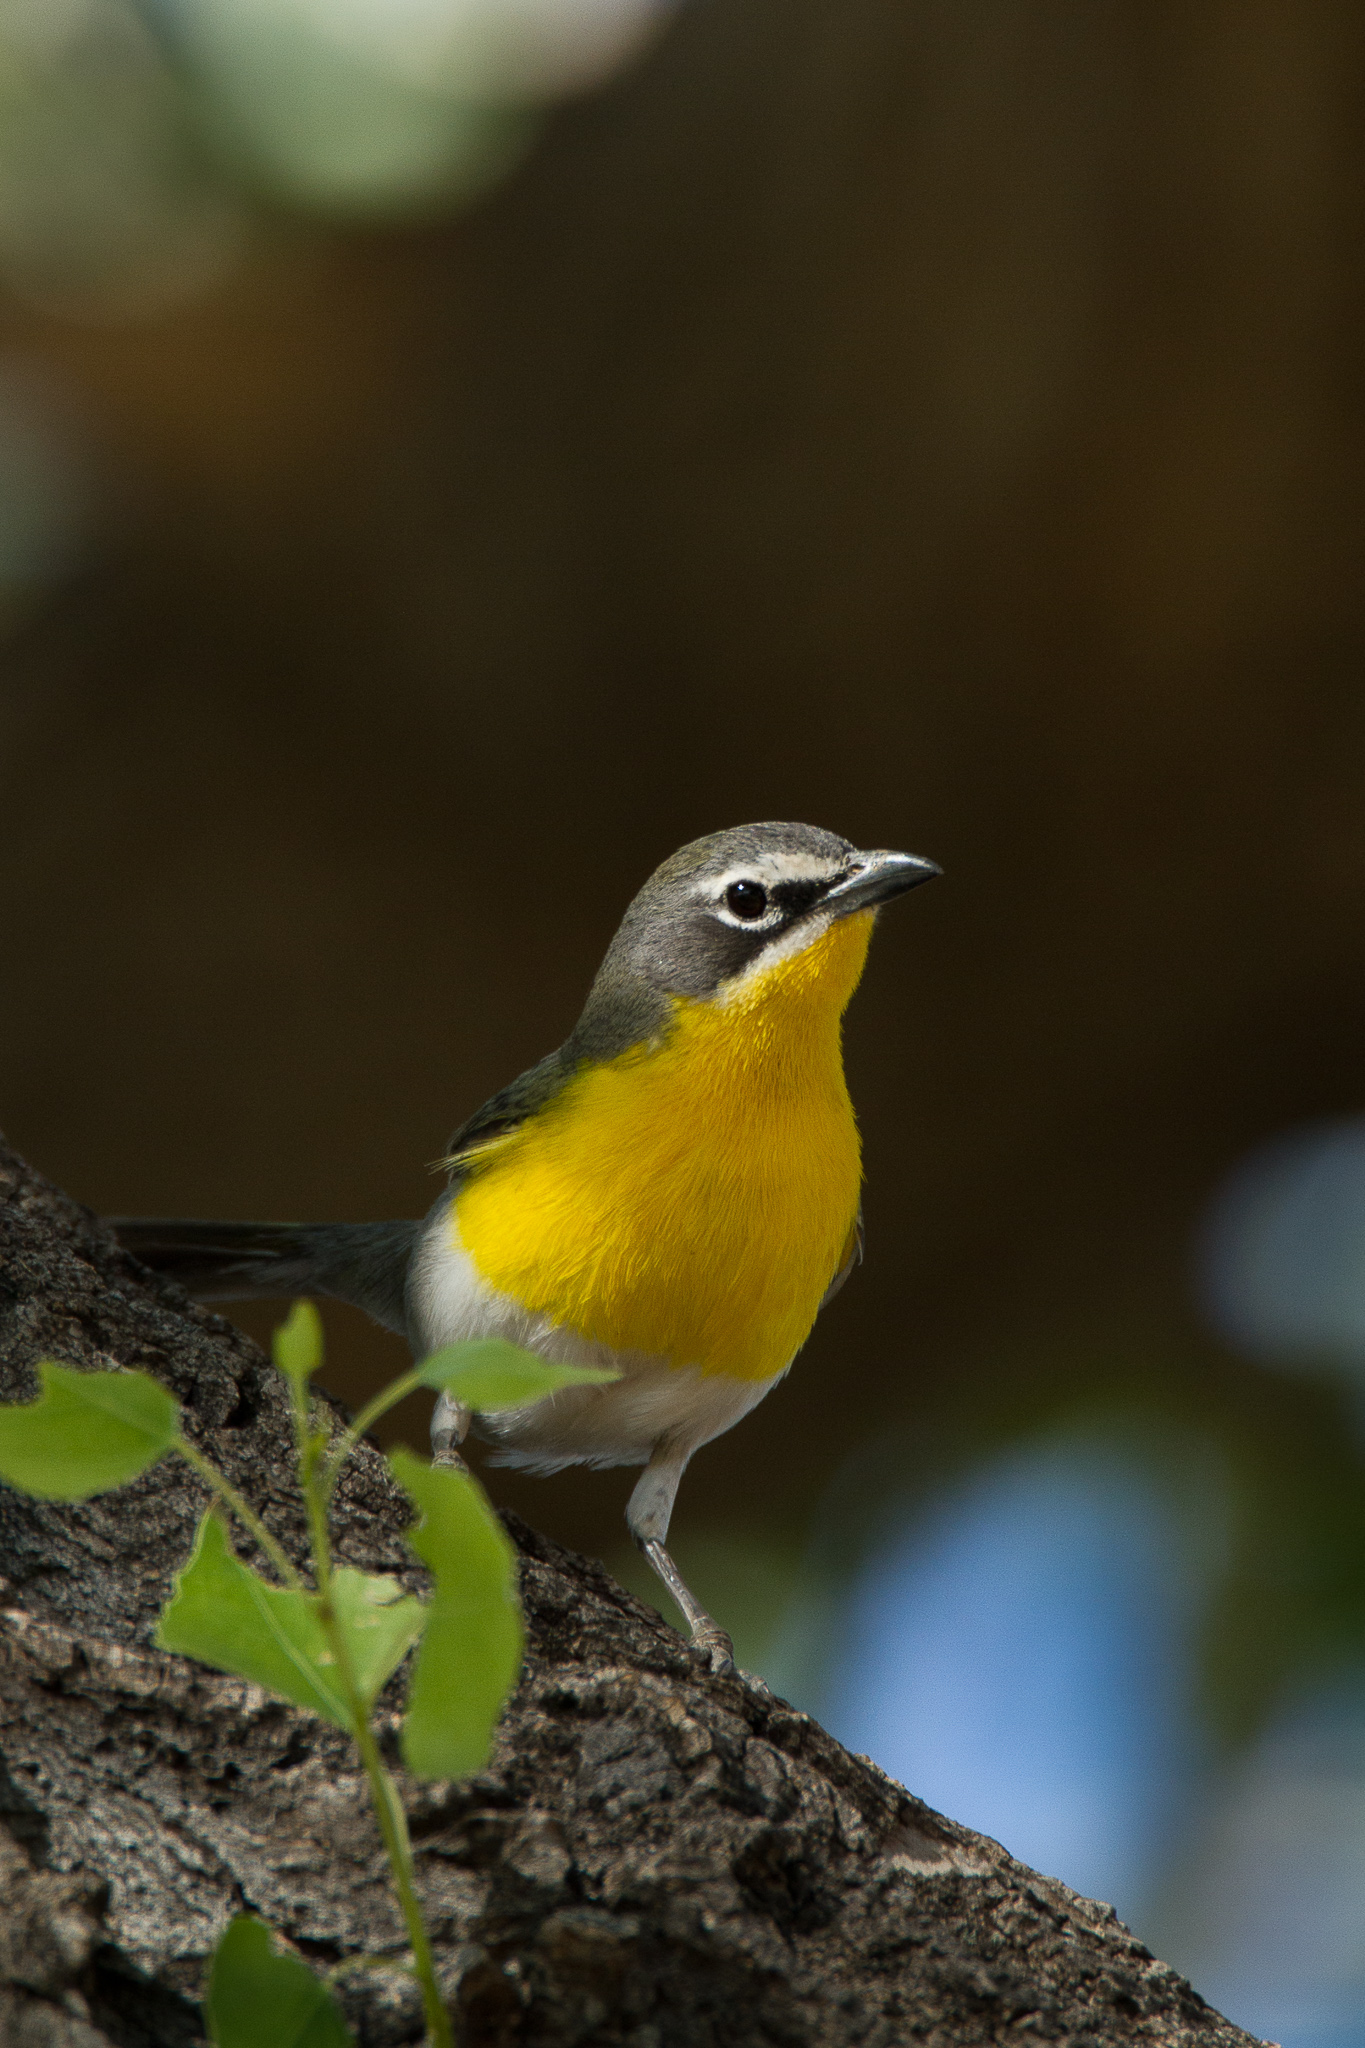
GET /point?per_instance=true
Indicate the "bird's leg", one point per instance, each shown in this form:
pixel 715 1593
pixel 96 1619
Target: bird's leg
pixel 707 1635
pixel 647 1518
pixel 449 1428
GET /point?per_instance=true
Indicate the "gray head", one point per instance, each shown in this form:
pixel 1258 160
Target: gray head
pixel 712 910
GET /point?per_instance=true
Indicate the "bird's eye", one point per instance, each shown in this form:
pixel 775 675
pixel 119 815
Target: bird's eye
pixel 746 899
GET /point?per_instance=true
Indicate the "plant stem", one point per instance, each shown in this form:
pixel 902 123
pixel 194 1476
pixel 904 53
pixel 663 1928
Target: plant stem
pixel 310 1445
pixel 393 1827
pixel 245 1514
pixel 317 1478
pixel 397 1390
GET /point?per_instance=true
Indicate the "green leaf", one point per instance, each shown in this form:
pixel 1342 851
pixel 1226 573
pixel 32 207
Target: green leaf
pixel 86 1432
pixel 491 1373
pixel 380 1622
pixel 471 1651
pixel 226 1615
pixel 297 1343
pixel 260 1999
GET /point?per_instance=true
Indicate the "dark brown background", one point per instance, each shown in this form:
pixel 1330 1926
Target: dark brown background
pixel 943 425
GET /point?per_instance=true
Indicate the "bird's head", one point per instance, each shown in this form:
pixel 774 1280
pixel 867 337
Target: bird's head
pixel 736 912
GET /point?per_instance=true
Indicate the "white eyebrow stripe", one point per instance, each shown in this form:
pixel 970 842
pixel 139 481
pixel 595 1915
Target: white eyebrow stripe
pixel 772 868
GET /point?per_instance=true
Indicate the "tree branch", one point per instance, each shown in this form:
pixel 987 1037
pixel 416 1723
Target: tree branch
pixel 653 1858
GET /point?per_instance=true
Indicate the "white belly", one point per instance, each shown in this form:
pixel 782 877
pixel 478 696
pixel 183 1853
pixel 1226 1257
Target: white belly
pixel 653 1404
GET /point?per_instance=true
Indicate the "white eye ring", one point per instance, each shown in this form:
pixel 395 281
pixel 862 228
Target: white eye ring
pixel 767 918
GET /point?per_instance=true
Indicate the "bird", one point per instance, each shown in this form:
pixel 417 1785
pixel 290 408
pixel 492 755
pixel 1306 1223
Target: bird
pixel 674 1193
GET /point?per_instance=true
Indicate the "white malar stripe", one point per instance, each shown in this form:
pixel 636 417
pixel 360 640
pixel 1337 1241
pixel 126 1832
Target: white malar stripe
pixel 652 1404
pixel 802 934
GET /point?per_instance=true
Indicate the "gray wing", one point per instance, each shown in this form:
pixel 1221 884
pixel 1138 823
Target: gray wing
pixel 511 1106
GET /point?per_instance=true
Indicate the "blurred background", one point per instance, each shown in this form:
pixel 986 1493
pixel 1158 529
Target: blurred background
pixel 453 451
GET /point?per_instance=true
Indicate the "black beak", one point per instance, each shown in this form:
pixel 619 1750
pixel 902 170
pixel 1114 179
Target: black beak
pixel 876 878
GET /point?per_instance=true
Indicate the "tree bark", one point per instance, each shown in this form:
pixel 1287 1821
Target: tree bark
pixel 653 1856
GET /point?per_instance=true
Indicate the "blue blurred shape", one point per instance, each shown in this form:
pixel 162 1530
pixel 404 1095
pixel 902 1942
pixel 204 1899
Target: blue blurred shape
pixel 1283 1257
pixel 1019 1657
pixel 1269 1914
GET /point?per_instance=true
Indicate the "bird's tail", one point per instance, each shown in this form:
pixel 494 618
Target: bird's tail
pixel 363 1263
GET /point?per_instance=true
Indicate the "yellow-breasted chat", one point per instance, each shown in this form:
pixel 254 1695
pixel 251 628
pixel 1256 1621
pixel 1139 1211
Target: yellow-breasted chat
pixel 674 1193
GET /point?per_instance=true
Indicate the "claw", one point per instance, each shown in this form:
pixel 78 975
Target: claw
pixel 716 1649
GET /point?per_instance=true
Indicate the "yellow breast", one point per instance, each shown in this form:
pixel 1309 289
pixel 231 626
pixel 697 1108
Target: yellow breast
pixel 690 1199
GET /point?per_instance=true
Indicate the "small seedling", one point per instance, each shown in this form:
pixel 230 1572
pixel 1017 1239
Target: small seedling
pixel 327 1641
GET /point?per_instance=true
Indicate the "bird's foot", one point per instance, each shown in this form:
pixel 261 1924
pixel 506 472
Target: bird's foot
pixel 715 1648
pixel 709 1640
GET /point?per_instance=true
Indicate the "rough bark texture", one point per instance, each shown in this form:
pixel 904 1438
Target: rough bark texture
pixel 654 1857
